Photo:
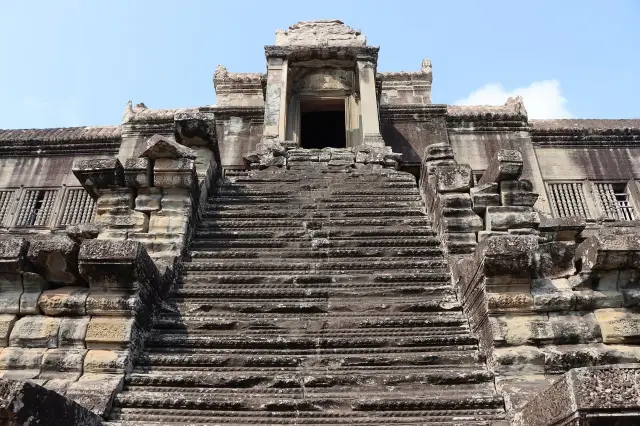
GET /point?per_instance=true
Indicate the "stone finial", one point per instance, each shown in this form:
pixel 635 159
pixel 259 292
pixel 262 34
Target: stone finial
pixel 426 66
pixel 159 146
pixel 221 72
pixel 324 32
pixel 128 113
pixel 517 104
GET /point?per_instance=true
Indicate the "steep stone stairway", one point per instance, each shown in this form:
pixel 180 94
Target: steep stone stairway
pixel 314 295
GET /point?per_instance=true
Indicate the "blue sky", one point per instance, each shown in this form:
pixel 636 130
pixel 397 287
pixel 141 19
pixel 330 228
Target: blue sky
pixel 77 62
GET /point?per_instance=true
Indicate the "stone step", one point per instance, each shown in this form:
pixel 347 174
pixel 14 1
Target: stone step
pixel 298 208
pixel 207 279
pixel 375 380
pixel 362 199
pixel 352 340
pixel 255 213
pixel 442 415
pixel 195 290
pixel 160 361
pixel 380 242
pixel 368 264
pixel 308 253
pixel 357 303
pixel 312 223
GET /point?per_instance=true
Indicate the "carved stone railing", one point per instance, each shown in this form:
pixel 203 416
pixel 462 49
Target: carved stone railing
pixel 543 294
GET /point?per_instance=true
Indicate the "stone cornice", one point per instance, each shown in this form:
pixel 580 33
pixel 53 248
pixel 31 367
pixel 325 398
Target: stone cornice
pixel 306 53
pixel 412 112
pixel 224 112
pixel 586 133
pixel 97 140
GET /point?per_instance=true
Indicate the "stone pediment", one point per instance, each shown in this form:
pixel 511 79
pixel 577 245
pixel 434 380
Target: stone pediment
pixel 330 32
pixel 159 146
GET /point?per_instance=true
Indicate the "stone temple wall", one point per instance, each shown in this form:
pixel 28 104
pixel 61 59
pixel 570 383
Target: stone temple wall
pixel 537 219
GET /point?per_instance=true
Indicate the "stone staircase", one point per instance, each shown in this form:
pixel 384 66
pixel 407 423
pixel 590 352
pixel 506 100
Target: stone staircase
pixel 313 295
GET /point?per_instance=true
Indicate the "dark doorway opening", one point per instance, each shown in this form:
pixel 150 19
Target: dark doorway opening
pixel 322 124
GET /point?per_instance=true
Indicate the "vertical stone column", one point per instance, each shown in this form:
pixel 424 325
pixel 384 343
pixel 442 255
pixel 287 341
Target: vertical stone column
pixel 275 108
pixel 368 102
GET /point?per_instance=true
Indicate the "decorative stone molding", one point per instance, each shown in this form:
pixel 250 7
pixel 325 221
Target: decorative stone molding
pixel 329 32
pixel 603 395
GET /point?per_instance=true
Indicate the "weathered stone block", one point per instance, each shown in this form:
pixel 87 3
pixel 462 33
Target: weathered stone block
pixel 116 265
pixel 511 217
pixel 563 228
pixel 33 285
pixel 438 151
pixel 13 255
pixel 10 292
pixel 85 231
pixel 516 330
pixel 179 173
pixel 509 302
pixel 619 325
pixel 604 395
pixel 36 331
pixel 457 220
pixel 168 222
pixel 556 259
pixel 131 221
pixel 483 235
pixel 610 251
pixel 552 295
pixel 104 361
pixel 163 147
pixel 517 193
pixel 20 363
pixel 505 165
pixel 110 333
pixel 457 178
pixel 113 302
pixel 518 360
pixel 484 196
pixel 148 199
pixel 72 332
pixel 574 327
pixel 589 300
pixel 508 256
pixel 99 173
pixel 64 301
pixel 28 404
pixel 116 200
pixel 6 324
pixel 62 364
pixel 137 172
pixel 96 391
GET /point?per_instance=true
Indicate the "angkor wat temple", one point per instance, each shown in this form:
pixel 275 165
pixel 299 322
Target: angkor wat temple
pixel 323 246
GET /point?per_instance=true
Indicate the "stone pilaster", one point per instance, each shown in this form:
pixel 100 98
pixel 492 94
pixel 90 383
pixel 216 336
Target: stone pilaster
pixel 275 106
pixel 368 102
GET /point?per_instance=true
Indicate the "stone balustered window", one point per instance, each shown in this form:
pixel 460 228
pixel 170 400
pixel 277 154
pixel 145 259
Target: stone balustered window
pixel 6 199
pixel 77 208
pixel 568 199
pixel 614 201
pixel 36 207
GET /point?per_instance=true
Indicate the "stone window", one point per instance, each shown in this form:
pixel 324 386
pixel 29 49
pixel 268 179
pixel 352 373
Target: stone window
pixel 6 197
pixel 77 207
pixel 568 199
pixel 614 200
pixel 36 207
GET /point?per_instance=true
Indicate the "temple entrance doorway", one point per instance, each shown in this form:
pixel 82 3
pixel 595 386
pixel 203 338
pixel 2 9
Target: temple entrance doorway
pixel 323 123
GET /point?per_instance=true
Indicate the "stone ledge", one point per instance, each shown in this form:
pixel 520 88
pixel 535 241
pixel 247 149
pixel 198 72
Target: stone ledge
pixel 592 396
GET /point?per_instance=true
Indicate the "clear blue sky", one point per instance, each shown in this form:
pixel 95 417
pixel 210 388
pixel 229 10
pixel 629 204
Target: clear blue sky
pixel 77 62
